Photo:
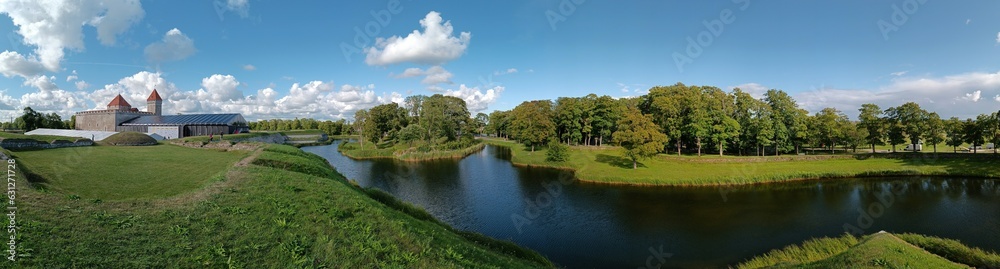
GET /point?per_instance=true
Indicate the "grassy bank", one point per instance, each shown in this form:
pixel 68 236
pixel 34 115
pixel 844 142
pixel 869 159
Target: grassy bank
pixel 405 152
pixel 280 207
pixel 39 138
pixel 607 166
pixel 880 250
pixel 228 137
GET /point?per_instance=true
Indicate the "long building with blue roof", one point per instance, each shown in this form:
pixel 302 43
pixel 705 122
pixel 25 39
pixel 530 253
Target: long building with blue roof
pixel 120 116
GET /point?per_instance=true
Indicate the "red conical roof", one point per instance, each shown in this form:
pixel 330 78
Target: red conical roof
pixel 119 101
pixel 154 96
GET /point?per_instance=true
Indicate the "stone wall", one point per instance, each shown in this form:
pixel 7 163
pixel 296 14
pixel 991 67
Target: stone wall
pixel 16 143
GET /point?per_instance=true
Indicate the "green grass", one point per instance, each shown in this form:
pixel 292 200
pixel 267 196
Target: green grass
pixel 880 250
pixel 954 250
pixel 257 216
pixel 118 173
pixel 606 165
pixel 404 152
pixel 39 138
pixel 129 139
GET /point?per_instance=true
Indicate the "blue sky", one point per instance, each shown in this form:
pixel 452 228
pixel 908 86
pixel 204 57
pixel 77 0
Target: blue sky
pixel 285 59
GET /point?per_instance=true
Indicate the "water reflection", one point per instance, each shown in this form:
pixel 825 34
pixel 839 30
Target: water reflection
pixel 596 226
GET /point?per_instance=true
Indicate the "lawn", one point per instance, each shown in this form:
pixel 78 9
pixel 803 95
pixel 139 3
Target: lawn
pixel 606 165
pixel 880 250
pixel 117 173
pixel 404 151
pixel 40 138
pixel 293 211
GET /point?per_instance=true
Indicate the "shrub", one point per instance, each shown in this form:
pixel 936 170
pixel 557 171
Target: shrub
pixel 557 152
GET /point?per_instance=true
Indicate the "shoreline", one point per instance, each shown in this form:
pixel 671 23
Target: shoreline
pixel 450 154
pixel 763 178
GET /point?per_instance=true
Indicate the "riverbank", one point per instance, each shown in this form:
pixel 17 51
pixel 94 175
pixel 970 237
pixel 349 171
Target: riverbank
pixel 403 152
pixel 275 206
pixel 605 165
pixel 880 250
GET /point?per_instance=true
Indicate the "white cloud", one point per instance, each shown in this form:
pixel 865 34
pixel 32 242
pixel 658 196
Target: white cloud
pixel 972 96
pixel 754 89
pixel 998 37
pixel 475 99
pixel 54 25
pixel 505 72
pixel 174 46
pixel 997 98
pixel 72 77
pixel 954 95
pixel 249 67
pixel 433 75
pixel 15 64
pixel 240 7
pixel 434 46
pixel 219 88
pixel 900 73
pixel 82 85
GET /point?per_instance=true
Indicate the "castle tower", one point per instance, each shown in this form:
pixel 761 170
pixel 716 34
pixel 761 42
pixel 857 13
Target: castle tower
pixel 154 104
pixel 119 103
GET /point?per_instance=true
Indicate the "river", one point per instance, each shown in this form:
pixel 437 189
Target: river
pixel 580 225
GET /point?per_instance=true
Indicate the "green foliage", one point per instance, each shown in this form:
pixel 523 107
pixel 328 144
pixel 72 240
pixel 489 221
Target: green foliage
pixel 383 121
pixel 532 123
pixel 871 120
pixel 638 136
pixel 129 139
pixel 954 250
pixel 443 117
pixel 881 250
pixel 31 119
pixel 331 128
pixel 557 152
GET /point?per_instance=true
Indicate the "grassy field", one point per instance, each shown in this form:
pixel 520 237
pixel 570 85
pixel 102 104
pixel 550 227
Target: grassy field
pixel 880 250
pixel 280 208
pixel 40 138
pixel 404 152
pixel 606 165
pixel 118 173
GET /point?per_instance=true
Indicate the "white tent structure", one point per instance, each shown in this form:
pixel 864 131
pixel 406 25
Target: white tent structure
pixel 95 135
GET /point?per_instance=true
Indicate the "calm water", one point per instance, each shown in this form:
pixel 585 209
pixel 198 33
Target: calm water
pixel 590 226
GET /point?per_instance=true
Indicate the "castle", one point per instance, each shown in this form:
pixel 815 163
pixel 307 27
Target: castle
pixel 120 116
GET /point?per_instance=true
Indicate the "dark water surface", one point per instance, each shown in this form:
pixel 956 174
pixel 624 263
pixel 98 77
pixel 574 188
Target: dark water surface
pixel 595 226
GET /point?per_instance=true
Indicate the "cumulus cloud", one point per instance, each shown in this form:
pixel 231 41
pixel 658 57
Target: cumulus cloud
pixel 55 25
pixel 754 89
pixel 82 85
pixel 475 99
pixel 972 96
pixel 72 77
pixel 434 46
pixel 175 46
pixel 432 76
pixel 955 95
pixel 219 88
pixel 249 67
pixel 15 64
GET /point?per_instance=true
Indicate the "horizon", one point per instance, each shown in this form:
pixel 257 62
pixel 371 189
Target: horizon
pixel 327 60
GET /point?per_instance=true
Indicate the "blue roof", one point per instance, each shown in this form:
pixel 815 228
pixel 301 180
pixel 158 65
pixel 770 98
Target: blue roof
pixel 193 119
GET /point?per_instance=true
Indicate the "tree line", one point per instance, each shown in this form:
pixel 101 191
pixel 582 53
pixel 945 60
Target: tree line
pixel 435 121
pixel 31 120
pixel 681 118
pixel 329 127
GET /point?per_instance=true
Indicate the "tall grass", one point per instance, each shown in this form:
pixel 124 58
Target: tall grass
pixel 408 153
pixel 809 251
pixel 954 250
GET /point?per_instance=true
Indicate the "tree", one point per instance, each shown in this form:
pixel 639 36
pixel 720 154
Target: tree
pixel 871 119
pixel 955 130
pixel 498 123
pixel 383 120
pixel 914 121
pixel 664 104
pixel 413 105
pixel 895 130
pixel 410 133
pixel 480 122
pixel 444 117
pixel 359 125
pixel 992 130
pixel 790 127
pixel 557 152
pixel 639 136
pixel 830 127
pixel 697 123
pixel 30 120
pixel 973 133
pixel 724 127
pixel 532 123
pixel 935 130
pixel 569 115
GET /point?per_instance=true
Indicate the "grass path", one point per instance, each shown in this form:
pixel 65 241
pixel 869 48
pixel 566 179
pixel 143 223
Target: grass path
pixel 605 165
